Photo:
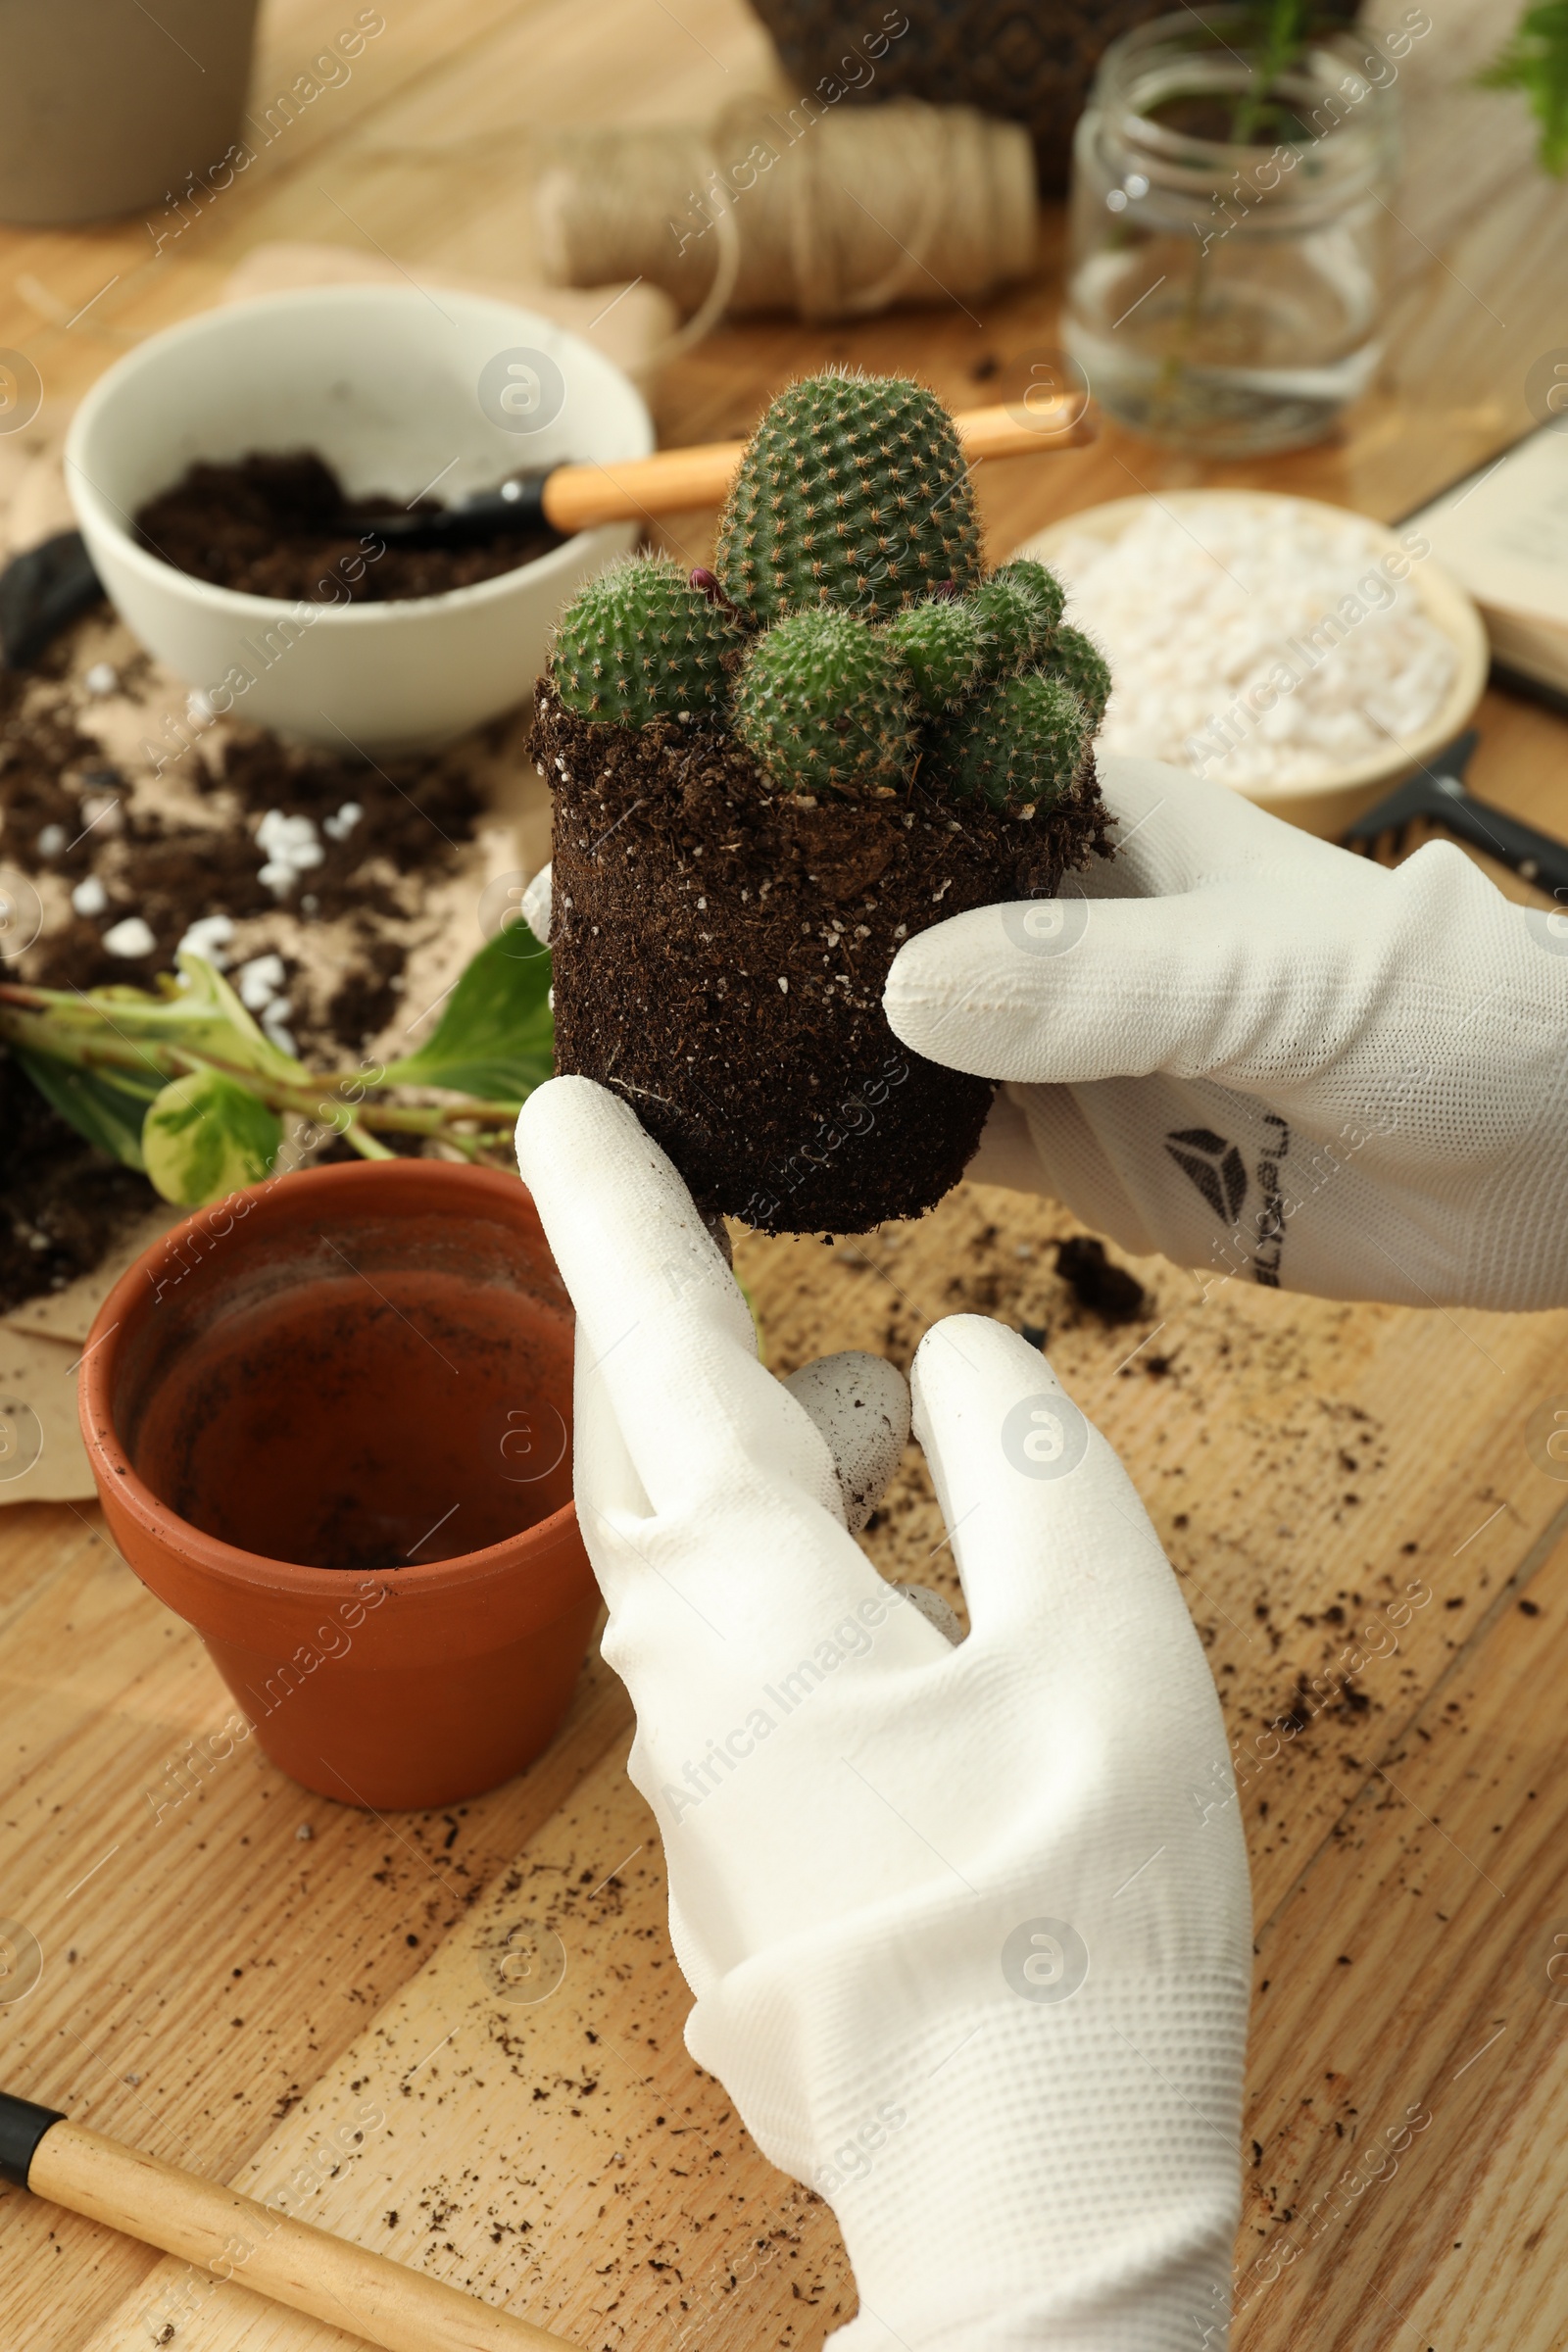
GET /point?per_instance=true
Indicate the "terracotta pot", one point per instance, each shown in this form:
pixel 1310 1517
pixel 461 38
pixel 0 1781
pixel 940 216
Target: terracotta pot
pixel 331 1423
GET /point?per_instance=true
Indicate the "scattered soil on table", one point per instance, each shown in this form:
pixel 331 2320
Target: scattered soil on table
pixel 281 525
pixel 720 951
pixel 1100 1287
pixel 415 814
pixel 61 1202
pixel 172 840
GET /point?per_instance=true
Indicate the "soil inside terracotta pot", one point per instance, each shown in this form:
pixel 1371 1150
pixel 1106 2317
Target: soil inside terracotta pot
pixel 719 953
pixel 274 525
pixel 345 1423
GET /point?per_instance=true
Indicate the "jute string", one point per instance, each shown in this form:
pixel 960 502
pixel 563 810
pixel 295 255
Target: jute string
pixel 833 215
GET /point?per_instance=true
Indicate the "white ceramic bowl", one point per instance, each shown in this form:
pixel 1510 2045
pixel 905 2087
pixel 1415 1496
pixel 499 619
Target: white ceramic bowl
pixel 383 382
pixel 1327 803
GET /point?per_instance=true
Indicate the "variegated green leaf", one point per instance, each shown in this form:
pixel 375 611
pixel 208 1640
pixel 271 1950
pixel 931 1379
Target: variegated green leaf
pixel 205 1136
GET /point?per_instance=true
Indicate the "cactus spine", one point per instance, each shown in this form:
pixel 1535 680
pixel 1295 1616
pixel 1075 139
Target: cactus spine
pixel 939 643
pixel 1079 664
pixel 1018 609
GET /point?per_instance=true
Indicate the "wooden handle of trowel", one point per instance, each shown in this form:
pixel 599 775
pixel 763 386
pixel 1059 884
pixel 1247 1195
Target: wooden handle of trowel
pixel 234 2237
pixel 677 481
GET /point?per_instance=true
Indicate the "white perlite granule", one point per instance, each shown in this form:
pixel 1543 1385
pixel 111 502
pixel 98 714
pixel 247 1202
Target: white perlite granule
pixel 1257 644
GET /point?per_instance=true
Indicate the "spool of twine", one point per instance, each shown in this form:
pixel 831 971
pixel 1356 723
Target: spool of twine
pixel 832 215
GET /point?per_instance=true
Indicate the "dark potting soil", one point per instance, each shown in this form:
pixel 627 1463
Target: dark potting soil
pixel 273 525
pixel 1104 1289
pixel 719 953
pixel 61 1202
pixel 67 813
pixel 53 780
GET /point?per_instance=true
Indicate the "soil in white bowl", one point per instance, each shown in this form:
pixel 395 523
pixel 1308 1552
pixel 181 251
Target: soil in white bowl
pixel 280 524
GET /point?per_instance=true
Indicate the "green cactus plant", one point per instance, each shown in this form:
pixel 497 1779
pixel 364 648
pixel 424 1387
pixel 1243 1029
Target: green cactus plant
pixel 853 492
pixel 1018 609
pixel 824 703
pixel 641 642
pixel 1018 744
pixel 850 635
pixel 1079 664
pixel 939 643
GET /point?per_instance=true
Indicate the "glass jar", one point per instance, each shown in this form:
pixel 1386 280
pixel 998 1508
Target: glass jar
pixel 1229 216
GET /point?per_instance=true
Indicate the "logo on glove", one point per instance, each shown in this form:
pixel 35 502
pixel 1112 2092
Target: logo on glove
pixel 1213 1165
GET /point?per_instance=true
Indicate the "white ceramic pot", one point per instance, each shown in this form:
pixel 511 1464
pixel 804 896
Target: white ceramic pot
pixel 396 388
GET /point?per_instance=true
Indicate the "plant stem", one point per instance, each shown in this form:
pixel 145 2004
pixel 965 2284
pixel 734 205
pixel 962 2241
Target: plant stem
pixel 1282 36
pixel 49 1022
pixel 360 1140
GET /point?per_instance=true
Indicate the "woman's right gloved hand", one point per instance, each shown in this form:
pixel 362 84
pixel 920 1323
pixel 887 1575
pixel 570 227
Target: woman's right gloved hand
pixel 967 1927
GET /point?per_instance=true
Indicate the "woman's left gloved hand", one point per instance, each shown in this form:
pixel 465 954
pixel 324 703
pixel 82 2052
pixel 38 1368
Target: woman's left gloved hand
pixel 967 1927
pixel 1267 1057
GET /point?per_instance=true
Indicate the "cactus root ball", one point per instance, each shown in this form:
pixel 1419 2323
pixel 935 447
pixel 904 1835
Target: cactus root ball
pixel 1079 662
pixel 938 640
pixel 640 643
pixel 853 492
pixel 1019 745
pixel 823 704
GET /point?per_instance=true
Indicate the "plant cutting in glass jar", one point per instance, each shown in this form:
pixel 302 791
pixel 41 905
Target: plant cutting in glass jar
pixel 1228 223
pixel 1276 39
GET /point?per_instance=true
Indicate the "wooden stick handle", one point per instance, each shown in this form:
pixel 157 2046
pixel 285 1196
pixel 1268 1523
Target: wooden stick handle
pixel 234 2237
pixel 677 482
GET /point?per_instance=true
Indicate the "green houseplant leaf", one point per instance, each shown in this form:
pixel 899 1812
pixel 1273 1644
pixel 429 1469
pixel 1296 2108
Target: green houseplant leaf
pixel 1536 62
pixel 205 1136
pixel 180 1083
pixel 496 1037
pixel 108 1112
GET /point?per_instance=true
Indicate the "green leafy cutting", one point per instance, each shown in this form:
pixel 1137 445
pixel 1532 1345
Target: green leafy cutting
pixel 1275 34
pixel 496 1036
pixel 181 1084
pixel 108 1112
pixel 205 1136
pixel 1536 62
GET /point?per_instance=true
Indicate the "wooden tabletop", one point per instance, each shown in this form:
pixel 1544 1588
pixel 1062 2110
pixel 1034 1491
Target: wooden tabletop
pixel 260 1984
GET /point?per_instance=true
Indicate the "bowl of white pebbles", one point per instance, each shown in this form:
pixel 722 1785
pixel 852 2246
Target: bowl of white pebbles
pixel 1301 653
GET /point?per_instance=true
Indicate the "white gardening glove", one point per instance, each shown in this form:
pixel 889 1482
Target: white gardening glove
pixel 967 1927
pixel 1265 1056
